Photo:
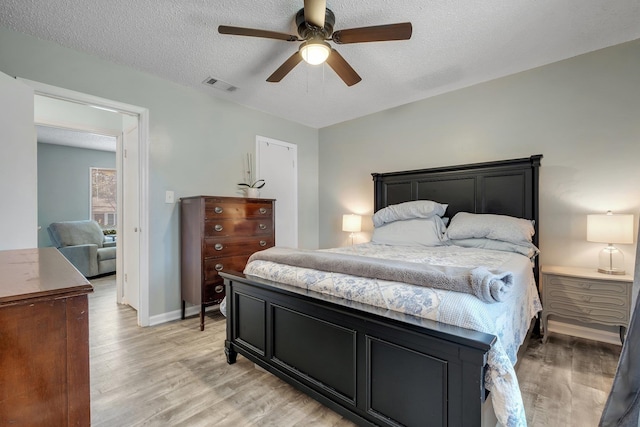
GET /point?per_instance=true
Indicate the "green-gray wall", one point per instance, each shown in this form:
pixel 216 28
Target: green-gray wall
pixel 582 114
pixel 196 144
pixel 63 184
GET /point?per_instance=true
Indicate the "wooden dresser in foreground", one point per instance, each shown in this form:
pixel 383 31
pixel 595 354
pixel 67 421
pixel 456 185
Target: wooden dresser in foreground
pixel 219 234
pixel 44 340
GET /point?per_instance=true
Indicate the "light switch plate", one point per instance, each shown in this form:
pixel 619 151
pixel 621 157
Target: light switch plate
pixel 169 197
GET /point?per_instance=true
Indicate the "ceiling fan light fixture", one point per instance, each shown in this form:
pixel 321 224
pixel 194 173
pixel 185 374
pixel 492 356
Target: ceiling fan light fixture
pixel 315 52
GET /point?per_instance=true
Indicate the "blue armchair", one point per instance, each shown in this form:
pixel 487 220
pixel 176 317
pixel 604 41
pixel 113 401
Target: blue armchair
pixel 83 244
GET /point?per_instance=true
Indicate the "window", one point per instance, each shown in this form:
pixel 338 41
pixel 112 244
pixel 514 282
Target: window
pixel 103 197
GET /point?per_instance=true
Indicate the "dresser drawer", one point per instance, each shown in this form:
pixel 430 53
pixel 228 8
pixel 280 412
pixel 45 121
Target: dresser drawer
pixel 220 227
pixel 213 293
pixel 218 248
pixel 215 209
pixel 214 265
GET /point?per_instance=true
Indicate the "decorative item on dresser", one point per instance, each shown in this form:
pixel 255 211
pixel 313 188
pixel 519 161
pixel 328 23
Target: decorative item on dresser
pixel 219 234
pixel 44 340
pixel 586 295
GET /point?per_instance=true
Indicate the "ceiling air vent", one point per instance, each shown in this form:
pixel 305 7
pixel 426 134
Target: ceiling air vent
pixel 219 84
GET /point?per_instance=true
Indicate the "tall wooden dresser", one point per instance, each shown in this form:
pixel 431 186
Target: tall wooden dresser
pixel 44 340
pixel 219 234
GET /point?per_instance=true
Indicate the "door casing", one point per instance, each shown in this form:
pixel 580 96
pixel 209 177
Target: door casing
pixel 142 240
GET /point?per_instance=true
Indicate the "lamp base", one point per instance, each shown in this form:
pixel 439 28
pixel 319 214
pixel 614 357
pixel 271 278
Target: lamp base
pixel 611 261
pixel 615 272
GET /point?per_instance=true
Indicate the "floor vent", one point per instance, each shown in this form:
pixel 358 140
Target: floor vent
pixel 219 84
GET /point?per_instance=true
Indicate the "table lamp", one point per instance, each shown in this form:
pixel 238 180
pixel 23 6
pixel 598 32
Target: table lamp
pixel 609 228
pixel 351 223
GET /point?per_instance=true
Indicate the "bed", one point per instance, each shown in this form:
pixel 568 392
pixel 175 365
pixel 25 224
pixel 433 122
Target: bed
pixel 378 365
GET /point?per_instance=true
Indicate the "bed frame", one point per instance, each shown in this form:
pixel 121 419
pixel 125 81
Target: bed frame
pixel 374 366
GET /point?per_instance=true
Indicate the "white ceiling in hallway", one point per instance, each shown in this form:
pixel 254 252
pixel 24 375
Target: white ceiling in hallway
pixel 75 138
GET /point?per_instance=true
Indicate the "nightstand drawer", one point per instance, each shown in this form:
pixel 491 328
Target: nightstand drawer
pixel 589 313
pixel 584 286
pixel 557 294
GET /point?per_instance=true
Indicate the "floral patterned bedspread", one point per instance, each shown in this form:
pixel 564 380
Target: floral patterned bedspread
pixel 508 320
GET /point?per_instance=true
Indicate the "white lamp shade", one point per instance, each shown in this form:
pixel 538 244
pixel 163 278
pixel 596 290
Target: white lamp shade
pixel 314 52
pixel 610 228
pixel 351 223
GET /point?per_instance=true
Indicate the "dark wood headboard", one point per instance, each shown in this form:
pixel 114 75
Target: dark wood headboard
pixel 505 187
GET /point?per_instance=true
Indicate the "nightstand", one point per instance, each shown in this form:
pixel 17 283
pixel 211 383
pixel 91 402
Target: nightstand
pixel 585 295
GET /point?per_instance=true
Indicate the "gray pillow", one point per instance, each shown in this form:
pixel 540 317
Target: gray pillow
pixel 411 232
pixel 465 225
pixel 529 250
pixel 408 210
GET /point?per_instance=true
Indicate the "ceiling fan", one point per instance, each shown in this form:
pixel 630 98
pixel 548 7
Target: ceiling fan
pixel 315 27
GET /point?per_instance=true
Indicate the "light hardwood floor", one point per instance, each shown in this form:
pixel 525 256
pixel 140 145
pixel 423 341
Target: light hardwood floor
pixel 175 375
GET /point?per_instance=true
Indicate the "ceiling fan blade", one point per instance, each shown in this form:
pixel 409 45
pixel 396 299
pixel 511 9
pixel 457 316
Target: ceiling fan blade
pixel 285 68
pixel 342 68
pixel 378 33
pixel 314 12
pixel 252 32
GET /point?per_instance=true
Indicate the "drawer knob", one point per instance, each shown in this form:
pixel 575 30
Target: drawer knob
pixel 218 246
pixel 217 227
pixel 218 289
pixel 217 209
pixel 219 267
pixel 262 211
pixel 262 227
pixel 263 243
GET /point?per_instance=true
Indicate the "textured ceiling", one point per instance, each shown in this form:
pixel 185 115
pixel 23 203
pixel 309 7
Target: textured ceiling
pixel 74 138
pixel 455 43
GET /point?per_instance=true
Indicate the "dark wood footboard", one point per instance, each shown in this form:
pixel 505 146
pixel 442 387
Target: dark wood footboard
pixel 371 365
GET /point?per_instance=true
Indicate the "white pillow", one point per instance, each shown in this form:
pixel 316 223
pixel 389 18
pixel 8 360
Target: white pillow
pixel 529 250
pixel 466 225
pixel 411 232
pixel 408 210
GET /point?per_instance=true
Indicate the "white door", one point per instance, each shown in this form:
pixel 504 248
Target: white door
pixel 18 166
pixel 277 164
pixel 129 247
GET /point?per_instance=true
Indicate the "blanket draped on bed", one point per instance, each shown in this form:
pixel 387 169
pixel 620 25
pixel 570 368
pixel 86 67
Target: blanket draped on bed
pixel 488 286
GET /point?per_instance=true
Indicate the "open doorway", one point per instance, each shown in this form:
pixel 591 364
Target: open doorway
pixel 131 133
pixel 70 164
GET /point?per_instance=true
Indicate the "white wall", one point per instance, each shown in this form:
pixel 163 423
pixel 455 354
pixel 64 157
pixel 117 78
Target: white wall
pixel 582 114
pixel 18 227
pixel 196 145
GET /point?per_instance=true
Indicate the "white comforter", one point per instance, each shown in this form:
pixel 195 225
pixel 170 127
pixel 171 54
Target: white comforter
pixel 508 320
